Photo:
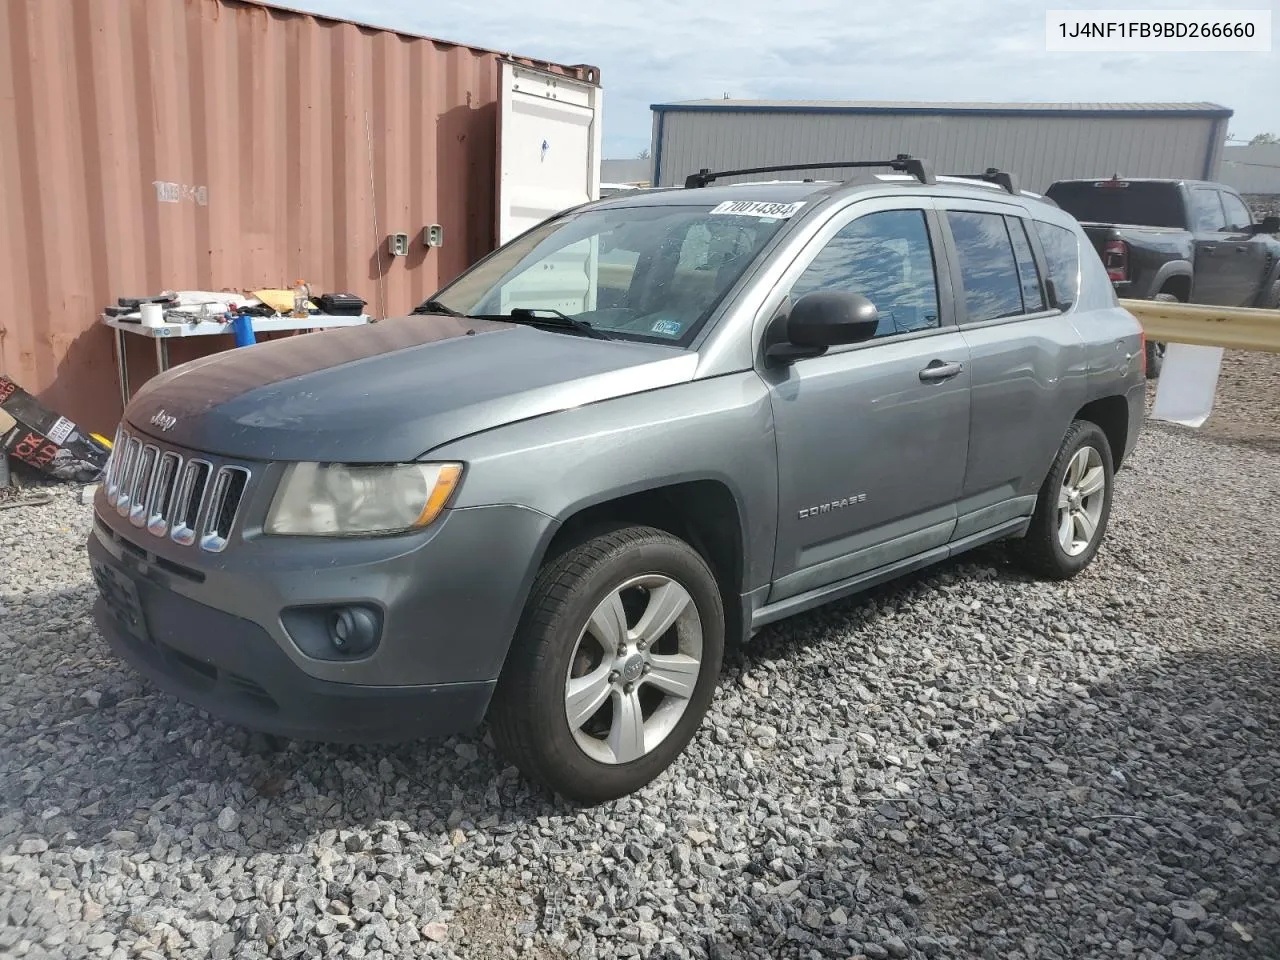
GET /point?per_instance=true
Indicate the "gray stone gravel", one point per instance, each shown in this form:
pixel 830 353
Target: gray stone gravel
pixel 966 764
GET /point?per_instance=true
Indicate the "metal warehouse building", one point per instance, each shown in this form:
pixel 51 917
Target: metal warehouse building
pixel 1040 142
pixel 1253 169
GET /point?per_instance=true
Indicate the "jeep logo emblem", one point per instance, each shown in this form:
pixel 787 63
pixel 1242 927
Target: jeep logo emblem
pixel 163 420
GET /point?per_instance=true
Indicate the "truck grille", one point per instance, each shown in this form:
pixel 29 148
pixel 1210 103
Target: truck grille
pixel 186 499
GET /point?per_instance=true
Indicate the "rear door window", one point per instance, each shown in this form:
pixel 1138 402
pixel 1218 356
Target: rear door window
pixel 1206 211
pixel 988 267
pixel 1238 218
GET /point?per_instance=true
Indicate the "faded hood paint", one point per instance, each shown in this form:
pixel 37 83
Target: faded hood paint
pixel 391 391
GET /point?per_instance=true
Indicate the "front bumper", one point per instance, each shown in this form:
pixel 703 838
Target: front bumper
pixel 210 628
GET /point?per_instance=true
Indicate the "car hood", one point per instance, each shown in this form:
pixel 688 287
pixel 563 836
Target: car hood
pixel 390 391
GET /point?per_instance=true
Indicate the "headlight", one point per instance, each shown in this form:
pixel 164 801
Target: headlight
pixel 335 499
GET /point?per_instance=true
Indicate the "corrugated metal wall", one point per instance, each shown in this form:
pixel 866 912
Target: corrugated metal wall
pixel 1038 149
pixel 1252 169
pixel 212 144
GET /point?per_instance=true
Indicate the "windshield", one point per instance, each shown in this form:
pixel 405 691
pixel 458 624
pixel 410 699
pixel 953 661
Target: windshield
pixel 1122 201
pixel 650 273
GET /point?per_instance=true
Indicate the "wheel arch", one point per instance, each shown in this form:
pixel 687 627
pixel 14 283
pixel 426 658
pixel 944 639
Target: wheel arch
pixel 703 512
pixel 1111 414
pixel 1173 278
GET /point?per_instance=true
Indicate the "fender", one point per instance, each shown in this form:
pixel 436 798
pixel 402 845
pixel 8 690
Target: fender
pixel 717 429
pixel 1174 268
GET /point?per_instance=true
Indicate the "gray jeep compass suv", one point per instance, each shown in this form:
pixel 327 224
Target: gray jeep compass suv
pixel 648 426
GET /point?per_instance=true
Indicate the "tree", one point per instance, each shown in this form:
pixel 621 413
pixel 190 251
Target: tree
pixel 1264 138
pixel 643 154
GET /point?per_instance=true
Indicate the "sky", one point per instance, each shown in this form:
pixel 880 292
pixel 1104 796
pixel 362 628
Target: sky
pixel 659 51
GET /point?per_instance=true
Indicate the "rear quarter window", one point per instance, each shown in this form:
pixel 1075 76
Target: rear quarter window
pixel 1062 256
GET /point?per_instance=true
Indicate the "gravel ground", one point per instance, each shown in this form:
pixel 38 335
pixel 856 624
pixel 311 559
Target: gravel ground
pixel 965 764
pixel 1247 404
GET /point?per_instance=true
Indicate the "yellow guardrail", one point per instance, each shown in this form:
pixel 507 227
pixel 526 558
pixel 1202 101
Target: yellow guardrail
pixel 1236 328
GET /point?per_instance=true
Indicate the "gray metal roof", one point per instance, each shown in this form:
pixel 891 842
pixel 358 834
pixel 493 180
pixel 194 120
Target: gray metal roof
pixel 1200 109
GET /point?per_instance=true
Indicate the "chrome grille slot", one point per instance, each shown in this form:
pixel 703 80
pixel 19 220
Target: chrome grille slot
pixel 111 480
pixel 140 492
pixel 160 498
pixel 188 499
pixel 128 470
pixel 224 503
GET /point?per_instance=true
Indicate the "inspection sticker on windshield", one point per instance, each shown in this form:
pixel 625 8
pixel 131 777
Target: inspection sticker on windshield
pixel 757 208
pixel 668 328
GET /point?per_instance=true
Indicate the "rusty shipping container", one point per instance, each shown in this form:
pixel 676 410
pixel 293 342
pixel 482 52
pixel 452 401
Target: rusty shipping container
pixel 230 144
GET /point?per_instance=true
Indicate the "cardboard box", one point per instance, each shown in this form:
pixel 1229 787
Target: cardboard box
pixel 34 434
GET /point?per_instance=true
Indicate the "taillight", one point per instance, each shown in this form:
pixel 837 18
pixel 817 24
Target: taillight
pixel 1115 256
pixel 1142 351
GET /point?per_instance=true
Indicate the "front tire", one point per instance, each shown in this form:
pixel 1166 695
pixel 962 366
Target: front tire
pixel 1073 507
pixel 613 666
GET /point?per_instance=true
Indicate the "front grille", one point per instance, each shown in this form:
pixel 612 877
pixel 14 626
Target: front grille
pixel 187 499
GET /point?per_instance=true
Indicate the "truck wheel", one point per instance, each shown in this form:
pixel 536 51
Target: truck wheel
pixel 1155 349
pixel 613 666
pixel 1071 513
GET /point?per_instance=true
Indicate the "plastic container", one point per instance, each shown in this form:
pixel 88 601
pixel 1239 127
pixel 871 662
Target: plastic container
pixel 242 329
pixel 341 304
pixel 152 314
pixel 301 294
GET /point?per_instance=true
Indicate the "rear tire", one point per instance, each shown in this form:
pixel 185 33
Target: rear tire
pixel 613 666
pixel 1155 349
pixel 1072 510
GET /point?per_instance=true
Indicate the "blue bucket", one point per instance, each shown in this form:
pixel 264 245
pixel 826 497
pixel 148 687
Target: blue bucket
pixel 242 327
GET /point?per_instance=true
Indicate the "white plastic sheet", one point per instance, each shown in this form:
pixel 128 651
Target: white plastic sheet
pixel 1187 384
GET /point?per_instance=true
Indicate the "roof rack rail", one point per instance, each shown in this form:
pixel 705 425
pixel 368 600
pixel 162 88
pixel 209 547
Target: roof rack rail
pixel 991 175
pixel 919 168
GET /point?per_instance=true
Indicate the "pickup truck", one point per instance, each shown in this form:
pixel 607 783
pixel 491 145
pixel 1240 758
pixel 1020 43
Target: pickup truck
pixel 1189 240
pixel 644 429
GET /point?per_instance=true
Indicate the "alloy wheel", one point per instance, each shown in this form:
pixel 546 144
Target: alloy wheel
pixel 634 667
pixel 1080 501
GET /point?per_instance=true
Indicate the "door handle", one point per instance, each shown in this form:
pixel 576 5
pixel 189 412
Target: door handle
pixel 939 370
pixel 1209 247
pixel 1242 249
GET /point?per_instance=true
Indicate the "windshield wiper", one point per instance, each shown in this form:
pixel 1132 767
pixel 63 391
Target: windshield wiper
pixel 547 316
pixel 435 306
pixel 542 316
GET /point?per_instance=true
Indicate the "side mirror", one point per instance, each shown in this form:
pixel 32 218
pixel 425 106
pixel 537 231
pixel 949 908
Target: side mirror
pixel 824 319
pixel 1268 225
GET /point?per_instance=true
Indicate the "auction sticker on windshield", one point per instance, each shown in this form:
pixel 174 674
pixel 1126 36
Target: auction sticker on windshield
pixel 757 208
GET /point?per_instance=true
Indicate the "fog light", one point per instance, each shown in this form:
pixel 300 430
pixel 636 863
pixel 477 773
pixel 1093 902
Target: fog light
pixel 352 630
pixel 339 631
